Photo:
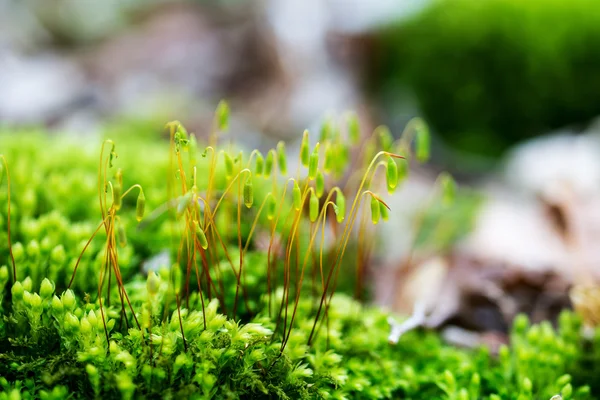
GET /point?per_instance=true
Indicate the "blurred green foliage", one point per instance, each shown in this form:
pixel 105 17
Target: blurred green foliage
pixel 489 73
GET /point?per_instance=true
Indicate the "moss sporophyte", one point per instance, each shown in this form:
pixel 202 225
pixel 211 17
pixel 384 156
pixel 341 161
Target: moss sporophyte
pixel 226 287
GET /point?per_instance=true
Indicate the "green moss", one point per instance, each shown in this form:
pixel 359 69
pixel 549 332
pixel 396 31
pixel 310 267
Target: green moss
pixel 267 332
pixel 489 73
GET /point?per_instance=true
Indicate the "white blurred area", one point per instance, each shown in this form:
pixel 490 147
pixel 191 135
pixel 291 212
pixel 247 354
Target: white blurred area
pixel 72 64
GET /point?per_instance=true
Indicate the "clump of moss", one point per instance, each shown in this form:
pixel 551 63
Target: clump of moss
pixel 189 303
pixel 487 74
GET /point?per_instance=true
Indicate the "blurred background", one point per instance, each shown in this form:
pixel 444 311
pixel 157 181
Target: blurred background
pixel 509 88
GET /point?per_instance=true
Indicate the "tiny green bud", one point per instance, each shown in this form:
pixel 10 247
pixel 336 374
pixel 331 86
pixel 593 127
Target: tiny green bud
pixel 86 327
pixel 33 249
pixel 47 288
pixel 58 254
pixel 449 378
pixel 152 283
pixel 375 211
pixel 248 193
pixel 113 348
pixel 281 158
pixel 223 116
pixel 475 379
pixel 91 370
pixel 27 284
pixel 422 143
pixel 527 385
pixel 92 318
pixel 260 165
pixel 313 206
pixel 27 297
pixel 201 235
pixel 57 305
pixel 305 150
pixel 71 322
pixel 140 206
pixel 269 163
pixel 297 196
pixel 391 175
pixel 271 206
pixel 18 251
pixel 36 303
pixel 68 299
pixel 340 202
pixel 463 394
pixel 110 325
pixel 320 184
pixel 229 165
pixel 313 163
pixel 383 210
pixel 521 324
pixel 353 128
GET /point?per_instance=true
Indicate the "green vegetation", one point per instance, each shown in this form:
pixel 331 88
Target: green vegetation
pixel 489 73
pixel 147 269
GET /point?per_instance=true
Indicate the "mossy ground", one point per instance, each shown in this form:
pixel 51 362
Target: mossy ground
pixel 53 341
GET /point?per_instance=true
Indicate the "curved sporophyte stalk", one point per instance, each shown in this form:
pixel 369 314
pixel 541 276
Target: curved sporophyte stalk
pixel 4 166
pixel 110 219
pixel 341 248
pixel 320 219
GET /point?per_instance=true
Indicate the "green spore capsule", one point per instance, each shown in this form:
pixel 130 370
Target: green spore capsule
pixel 297 196
pixel 269 163
pixel 385 138
pixel 391 175
pixel 328 163
pixel 152 283
pixel 353 128
pixel 281 158
pixel 422 143
pixel 320 184
pixel 375 210
pixel 271 206
pixel 201 235
pixel 383 210
pixel 313 207
pixel 260 165
pixel 223 116
pixel 313 163
pixel 305 150
pixel 117 191
pixel 184 202
pixel 248 193
pixel 448 186
pixel 229 164
pixel 325 132
pixel 340 202
pixel 402 170
pixel 140 206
